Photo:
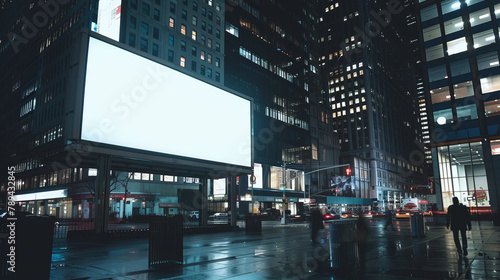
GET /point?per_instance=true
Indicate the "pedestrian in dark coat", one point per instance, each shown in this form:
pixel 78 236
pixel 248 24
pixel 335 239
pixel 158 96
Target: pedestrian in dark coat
pixel 316 224
pixel 459 217
pixel 388 220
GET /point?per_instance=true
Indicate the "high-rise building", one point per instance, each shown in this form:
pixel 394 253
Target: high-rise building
pixel 367 62
pixel 267 51
pixel 418 71
pixel 41 50
pixel 461 47
pixel 271 55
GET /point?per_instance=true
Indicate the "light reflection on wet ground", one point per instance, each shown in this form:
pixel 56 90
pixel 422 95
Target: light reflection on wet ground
pixel 286 252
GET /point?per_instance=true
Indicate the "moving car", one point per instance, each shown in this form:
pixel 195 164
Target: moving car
pixel 367 214
pixel 346 215
pixel 330 216
pixel 402 214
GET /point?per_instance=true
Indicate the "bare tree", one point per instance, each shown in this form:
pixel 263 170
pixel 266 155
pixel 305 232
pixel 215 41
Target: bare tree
pixel 117 180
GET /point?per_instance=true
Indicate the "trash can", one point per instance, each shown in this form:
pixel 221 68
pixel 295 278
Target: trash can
pixel 27 243
pixel 253 224
pixel 417 224
pixel 343 244
pixel 166 241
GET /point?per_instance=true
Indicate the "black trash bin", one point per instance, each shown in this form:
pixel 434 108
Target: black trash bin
pixel 253 224
pixel 166 241
pixel 343 244
pixel 417 224
pixel 26 247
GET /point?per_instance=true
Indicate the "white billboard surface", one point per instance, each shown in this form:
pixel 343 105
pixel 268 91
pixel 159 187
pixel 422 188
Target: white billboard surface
pixel 134 102
pixel 257 172
pixel 108 18
pixel 220 187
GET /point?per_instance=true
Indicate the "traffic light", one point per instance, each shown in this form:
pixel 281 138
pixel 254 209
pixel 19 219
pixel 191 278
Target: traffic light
pixel 348 171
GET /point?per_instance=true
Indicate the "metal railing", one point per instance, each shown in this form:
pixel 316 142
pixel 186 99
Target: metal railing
pixel 63 226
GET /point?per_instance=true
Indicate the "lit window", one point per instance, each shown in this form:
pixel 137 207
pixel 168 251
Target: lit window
pixel 193 35
pixel 202 55
pixel 183 61
pixel 171 23
pixel 183 29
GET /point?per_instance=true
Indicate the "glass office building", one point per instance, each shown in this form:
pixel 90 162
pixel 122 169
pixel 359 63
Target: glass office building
pixel 461 48
pixel 369 70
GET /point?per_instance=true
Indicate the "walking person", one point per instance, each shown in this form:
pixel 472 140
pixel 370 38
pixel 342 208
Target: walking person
pixel 459 216
pixel 316 225
pixel 388 219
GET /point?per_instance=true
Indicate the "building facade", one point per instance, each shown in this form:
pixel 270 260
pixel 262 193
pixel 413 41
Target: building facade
pixel 272 55
pixel 460 44
pixel 40 51
pixel 367 62
pixel 272 49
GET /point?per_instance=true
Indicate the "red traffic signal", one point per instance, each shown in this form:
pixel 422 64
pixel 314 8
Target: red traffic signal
pixel 348 171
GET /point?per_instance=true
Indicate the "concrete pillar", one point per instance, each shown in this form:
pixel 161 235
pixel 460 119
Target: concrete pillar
pixel 232 200
pixel 102 194
pixel 203 218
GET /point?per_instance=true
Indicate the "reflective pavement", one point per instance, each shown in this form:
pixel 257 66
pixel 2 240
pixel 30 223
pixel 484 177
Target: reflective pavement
pixel 286 252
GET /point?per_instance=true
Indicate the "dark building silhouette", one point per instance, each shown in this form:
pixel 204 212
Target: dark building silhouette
pixel 368 64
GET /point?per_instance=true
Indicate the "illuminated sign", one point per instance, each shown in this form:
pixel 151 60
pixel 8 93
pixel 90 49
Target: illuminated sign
pixel 257 171
pixel 41 195
pixel 108 18
pixel 219 187
pixel 133 102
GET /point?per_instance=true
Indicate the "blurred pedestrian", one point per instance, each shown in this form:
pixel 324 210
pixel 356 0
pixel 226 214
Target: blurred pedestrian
pixel 459 216
pixel 388 219
pixel 316 224
pixel 362 235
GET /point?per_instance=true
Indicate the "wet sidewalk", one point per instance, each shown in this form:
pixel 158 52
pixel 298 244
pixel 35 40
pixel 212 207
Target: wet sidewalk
pixel 286 252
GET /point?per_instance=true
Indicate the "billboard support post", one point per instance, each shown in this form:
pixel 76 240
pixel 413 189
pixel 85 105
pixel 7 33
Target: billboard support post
pixel 232 200
pixel 203 214
pixel 102 194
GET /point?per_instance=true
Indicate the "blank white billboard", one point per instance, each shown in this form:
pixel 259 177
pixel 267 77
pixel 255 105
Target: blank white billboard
pixel 134 102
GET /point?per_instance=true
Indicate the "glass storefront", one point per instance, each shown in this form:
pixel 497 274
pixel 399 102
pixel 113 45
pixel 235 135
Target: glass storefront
pixel 462 174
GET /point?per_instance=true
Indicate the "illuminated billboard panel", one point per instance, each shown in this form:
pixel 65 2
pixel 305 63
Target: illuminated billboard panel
pixel 133 102
pixel 108 18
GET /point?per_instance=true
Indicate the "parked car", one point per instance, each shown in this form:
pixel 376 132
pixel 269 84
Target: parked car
pixel 218 216
pixel 271 213
pixel 194 215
